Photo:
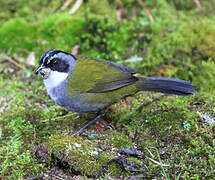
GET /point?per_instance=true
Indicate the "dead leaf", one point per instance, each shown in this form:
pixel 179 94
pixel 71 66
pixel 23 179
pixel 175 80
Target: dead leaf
pixel 30 61
pixel 75 49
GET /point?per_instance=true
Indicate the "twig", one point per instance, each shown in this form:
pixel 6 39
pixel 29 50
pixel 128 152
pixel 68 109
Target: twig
pixel 66 4
pixel 76 6
pixel 8 58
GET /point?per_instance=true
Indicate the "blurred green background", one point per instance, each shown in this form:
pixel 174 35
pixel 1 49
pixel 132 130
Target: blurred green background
pixel 168 38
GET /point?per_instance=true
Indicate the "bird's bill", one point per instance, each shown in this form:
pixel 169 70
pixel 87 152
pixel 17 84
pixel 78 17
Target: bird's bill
pixel 43 71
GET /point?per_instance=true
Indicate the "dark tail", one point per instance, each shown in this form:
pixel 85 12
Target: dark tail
pixel 166 85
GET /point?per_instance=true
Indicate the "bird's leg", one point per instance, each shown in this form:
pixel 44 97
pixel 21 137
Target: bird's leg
pixel 89 123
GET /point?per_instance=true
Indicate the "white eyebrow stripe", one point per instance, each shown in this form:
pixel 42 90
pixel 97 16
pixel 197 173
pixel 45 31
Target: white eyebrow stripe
pixel 49 60
pixel 43 59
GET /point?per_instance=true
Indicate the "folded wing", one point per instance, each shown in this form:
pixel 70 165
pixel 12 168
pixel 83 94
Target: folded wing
pixel 97 76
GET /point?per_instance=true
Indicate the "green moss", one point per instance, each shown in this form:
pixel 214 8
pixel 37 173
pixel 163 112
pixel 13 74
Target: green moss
pixel 88 157
pixel 119 140
pixel 79 153
pixel 198 154
pixel 21 127
pixel 11 35
pixel 179 43
pixel 135 161
pixel 16 161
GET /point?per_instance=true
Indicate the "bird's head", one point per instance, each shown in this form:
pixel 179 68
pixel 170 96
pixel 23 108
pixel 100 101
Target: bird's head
pixel 55 67
pixel 55 61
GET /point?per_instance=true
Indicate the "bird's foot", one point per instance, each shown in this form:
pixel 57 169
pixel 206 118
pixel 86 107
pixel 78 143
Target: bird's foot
pixel 86 125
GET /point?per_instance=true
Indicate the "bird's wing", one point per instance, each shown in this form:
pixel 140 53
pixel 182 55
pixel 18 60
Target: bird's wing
pixel 95 76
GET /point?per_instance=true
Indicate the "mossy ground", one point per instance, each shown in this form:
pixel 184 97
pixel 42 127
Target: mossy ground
pixel 178 43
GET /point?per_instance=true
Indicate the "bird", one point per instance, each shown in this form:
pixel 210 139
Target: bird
pixel 83 84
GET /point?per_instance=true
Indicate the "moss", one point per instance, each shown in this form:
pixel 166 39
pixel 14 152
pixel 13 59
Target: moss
pixel 198 154
pixel 21 128
pixel 135 161
pixel 89 157
pixel 28 10
pixel 119 140
pixel 162 128
pixel 179 43
pixel 79 153
pixel 17 162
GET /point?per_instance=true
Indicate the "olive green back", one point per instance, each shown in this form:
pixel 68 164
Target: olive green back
pixel 98 81
pixel 94 75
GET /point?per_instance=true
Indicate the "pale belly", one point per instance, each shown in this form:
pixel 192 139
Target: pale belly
pixel 89 102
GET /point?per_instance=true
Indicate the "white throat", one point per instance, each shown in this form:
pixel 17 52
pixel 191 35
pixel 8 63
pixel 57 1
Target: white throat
pixel 54 79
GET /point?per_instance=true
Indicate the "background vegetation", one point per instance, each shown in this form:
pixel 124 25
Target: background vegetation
pixel 169 38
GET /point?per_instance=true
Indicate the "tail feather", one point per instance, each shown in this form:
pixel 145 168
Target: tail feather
pixel 167 86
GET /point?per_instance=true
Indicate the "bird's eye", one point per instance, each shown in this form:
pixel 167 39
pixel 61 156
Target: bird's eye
pixel 54 62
